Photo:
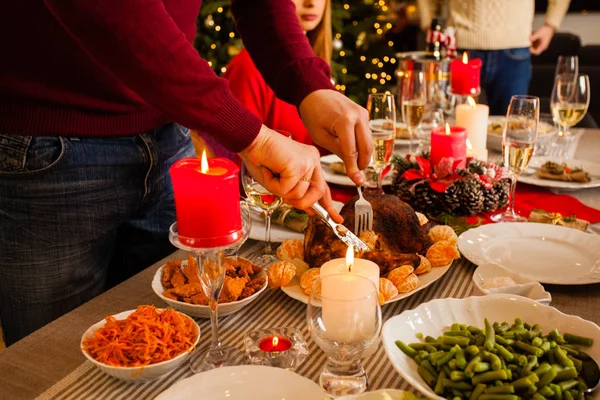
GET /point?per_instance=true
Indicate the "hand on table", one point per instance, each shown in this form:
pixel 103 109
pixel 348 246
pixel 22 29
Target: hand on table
pixel 540 39
pixel 288 169
pixel 341 126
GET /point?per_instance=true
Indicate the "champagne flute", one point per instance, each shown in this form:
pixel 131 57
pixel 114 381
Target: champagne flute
pixel 518 141
pixel 414 99
pixel 567 66
pixel 382 121
pixel 266 201
pixel 569 104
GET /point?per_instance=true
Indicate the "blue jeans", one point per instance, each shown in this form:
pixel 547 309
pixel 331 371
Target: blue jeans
pixel 78 215
pixel 504 73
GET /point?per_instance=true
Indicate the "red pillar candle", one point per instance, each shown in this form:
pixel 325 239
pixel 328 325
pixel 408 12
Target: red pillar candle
pixel 465 75
pixel 272 344
pixel 207 201
pixel 449 142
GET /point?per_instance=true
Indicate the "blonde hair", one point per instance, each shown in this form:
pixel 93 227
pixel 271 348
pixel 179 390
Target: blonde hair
pixel 320 38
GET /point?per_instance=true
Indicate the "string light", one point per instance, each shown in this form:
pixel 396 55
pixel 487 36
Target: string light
pixel 382 81
pixel 379 31
pixel 338 35
pixel 342 53
pixel 386 59
pixel 217 28
pixel 380 65
pixel 393 61
pixel 223 69
pixel 344 71
pixel 376 25
pixel 373 90
pixel 210 63
pixel 363 58
pixel 388 25
pixel 346 6
pixel 220 9
pixel 231 34
pixel 368 75
pixel 390 43
pixel 213 46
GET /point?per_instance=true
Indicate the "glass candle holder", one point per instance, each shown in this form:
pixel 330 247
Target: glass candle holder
pixel 276 347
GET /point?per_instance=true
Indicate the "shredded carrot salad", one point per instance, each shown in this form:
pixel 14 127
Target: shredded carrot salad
pixel 147 336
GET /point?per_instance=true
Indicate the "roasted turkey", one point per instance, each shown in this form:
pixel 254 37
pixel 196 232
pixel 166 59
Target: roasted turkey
pixel 398 235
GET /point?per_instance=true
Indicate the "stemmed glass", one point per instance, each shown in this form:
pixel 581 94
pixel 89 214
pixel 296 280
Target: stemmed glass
pixel 344 320
pixel 382 121
pixel 518 142
pixel 414 99
pixel 567 67
pixel 266 201
pixel 569 103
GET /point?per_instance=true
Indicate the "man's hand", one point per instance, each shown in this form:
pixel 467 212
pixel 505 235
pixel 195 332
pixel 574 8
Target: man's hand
pixel 288 169
pixel 342 127
pixel 540 40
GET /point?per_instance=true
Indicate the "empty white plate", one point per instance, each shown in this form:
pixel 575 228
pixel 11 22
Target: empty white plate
pixel 543 252
pixel 244 382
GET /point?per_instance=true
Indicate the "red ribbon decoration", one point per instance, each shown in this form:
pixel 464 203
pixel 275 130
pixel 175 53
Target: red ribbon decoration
pixel 426 175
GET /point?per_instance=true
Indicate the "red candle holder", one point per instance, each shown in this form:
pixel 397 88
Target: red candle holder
pixel 276 347
pixel 274 344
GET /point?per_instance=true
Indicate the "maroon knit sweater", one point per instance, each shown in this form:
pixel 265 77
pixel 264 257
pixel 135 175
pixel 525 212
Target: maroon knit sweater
pixel 121 67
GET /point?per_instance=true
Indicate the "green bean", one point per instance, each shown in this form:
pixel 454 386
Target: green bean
pixel 427 365
pixel 529 348
pixel 489 376
pixel 447 370
pixel 585 341
pixel 567 395
pixel 419 335
pixel 422 346
pixel 490 336
pixel 582 385
pixel 526 325
pixel 412 353
pixel 504 389
pixel 472 350
pixel 457 385
pixel 538 396
pixel 520 359
pixel 455 327
pixel 430 339
pixel 498 397
pixel 514 368
pixel 427 376
pixel 501 328
pixel 542 369
pixel 495 361
pixel 546 346
pixel 560 340
pixel 547 378
pixel 553 344
pixel 566 385
pixel 423 354
pixel 569 351
pixel 577 363
pixel 458 333
pixel 551 358
pixel 455 340
pixel 474 330
pixel 418 359
pixel 532 362
pixel 558 395
pixel 523 383
pixel 501 340
pixel 481 367
pixel 546 391
pixel 452 364
pixel 439 386
pixel 478 391
pixel 436 355
pixel 461 361
pixel 533 378
pixel 518 321
pixel 445 359
pixel 534 333
pixel 537 342
pixel 505 354
pixel 457 376
pixel 562 358
pixel 446 347
pixel 470 370
pixel 515 333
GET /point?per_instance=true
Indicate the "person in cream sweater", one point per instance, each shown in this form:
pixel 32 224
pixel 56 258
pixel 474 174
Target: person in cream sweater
pixel 499 32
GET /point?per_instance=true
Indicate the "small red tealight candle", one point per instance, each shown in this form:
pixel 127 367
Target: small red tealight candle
pixel 207 201
pixel 465 75
pixel 449 142
pixel 275 344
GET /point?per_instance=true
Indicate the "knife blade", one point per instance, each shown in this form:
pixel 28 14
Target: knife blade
pixel 340 230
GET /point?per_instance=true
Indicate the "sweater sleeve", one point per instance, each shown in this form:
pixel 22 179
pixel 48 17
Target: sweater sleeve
pixel 279 48
pixel 140 44
pixel 556 12
pixel 247 85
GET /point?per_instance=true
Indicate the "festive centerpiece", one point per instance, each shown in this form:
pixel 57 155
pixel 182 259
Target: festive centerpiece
pixel 446 189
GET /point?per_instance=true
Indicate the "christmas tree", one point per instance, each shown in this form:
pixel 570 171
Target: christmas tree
pixel 363 59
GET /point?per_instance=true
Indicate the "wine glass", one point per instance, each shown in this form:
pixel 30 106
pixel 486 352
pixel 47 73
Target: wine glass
pixel 382 121
pixel 211 269
pixel 567 66
pixel 432 118
pixel 413 97
pixel 569 104
pixel 344 320
pixel 518 141
pixel 266 201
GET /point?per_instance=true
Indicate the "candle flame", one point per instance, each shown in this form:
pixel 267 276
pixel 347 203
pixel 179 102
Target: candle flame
pixel 275 341
pixel 448 131
pixel 469 145
pixel 471 101
pixel 204 163
pixel 465 58
pixel 350 257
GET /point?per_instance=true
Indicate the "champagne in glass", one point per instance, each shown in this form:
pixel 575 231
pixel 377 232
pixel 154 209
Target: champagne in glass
pixel 518 142
pixel 382 121
pixel 413 97
pixel 266 201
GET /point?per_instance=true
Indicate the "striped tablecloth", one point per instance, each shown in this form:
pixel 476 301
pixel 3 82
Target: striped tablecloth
pixel 272 309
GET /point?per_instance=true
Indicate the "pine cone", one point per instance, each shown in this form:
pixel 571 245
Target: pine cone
pixel 469 193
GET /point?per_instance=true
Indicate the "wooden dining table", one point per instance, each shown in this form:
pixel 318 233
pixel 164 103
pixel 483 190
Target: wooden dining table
pixel 48 364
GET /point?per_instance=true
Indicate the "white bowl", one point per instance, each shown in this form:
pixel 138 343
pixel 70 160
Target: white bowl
pixel 436 316
pixel 200 311
pixel 524 286
pixel 138 374
pixel 547 132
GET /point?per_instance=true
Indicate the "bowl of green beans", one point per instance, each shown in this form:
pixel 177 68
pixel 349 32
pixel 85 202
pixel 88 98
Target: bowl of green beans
pixel 495 347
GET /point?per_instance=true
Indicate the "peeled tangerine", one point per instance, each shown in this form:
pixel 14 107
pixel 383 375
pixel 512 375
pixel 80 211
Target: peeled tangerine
pixel 442 253
pixel 387 290
pixel 280 273
pixel 398 275
pixel 443 232
pixel 290 249
pixel 410 283
pixel 422 218
pixel 424 266
pixel 308 278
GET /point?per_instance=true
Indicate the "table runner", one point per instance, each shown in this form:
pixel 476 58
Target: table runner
pixel 275 308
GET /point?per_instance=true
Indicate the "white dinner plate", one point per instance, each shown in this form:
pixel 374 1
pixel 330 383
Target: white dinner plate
pixel 278 233
pixel 544 252
pixel 294 290
pixel 591 168
pixel 436 316
pixel 339 179
pixel 244 382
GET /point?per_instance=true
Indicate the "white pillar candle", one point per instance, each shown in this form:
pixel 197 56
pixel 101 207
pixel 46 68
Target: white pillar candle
pixel 476 153
pixel 474 118
pixel 348 313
